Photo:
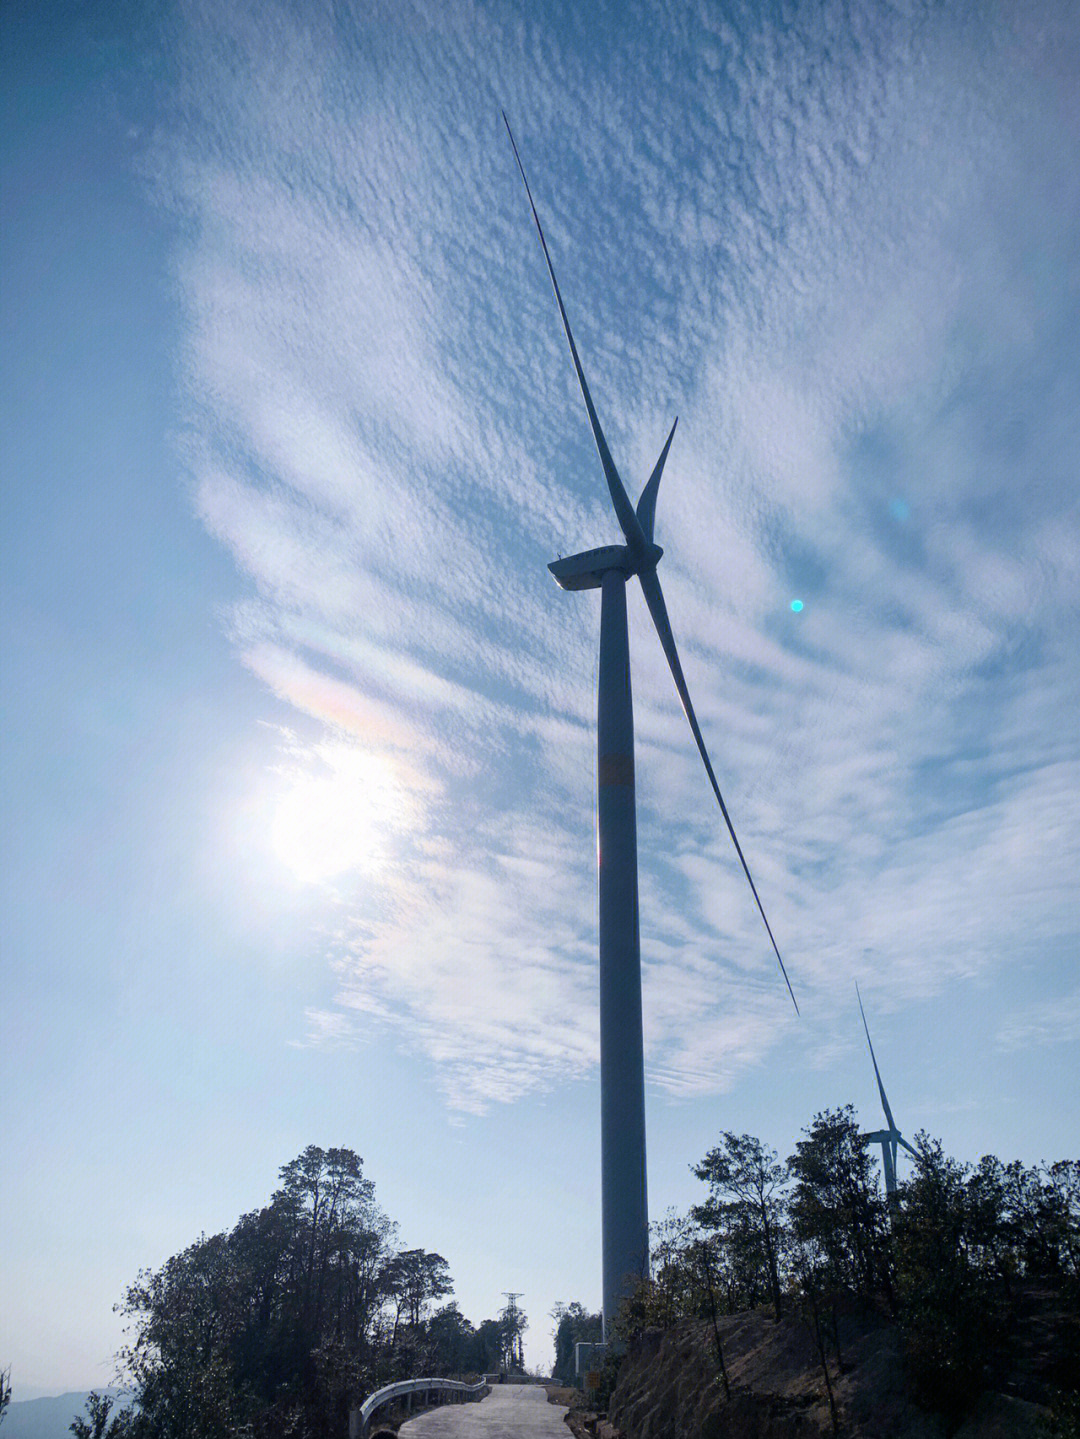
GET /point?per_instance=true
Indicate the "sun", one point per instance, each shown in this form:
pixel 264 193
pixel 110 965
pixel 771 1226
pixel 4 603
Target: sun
pixel 336 814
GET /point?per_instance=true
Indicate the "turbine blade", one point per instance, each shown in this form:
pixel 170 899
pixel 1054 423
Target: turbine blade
pixel 910 1149
pixel 624 510
pixel 646 505
pixel 654 598
pixel 877 1072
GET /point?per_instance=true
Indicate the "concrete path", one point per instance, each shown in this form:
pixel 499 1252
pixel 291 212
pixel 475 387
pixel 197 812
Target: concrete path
pixel 508 1411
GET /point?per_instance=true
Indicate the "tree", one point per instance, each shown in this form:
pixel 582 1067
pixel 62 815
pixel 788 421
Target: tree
pixel 490 1342
pixel 1046 1204
pixel 948 1316
pixel 688 1281
pixel 990 1231
pixel 450 1343
pixel 574 1324
pixel 702 1256
pixel 5 1392
pixel 414 1279
pixel 809 1276
pixel 97 1424
pixel 1063 1180
pixel 746 1205
pixel 327 1192
pixel 273 1325
pixel 185 1315
pixel 835 1209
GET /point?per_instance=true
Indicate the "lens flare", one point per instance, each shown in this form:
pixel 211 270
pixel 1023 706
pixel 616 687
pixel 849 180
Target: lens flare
pixel 796 606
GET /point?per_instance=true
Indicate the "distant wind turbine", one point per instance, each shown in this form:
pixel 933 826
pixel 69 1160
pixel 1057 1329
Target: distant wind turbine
pixel 889 1138
pixel 622 1065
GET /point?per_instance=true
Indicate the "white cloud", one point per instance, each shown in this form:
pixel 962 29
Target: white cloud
pixel 842 253
pixel 1051 1022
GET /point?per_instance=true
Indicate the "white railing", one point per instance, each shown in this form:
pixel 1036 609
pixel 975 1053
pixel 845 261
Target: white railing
pixel 433 1391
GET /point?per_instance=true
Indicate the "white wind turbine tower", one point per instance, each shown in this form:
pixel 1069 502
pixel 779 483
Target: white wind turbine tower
pixel 622 1066
pixel 890 1138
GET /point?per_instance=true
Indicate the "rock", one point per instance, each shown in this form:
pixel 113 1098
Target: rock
pixel 669 1386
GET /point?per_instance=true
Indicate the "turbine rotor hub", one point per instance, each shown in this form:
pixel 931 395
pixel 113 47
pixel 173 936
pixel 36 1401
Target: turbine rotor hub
pixel 586 571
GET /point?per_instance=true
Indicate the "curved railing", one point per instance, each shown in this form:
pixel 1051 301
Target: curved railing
pixel 422 1393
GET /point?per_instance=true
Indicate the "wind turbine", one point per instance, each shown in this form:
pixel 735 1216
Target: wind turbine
pixel 889 1138
pixel 624 1203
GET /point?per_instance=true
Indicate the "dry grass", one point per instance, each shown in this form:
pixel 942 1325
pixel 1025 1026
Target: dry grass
pixel 556 1394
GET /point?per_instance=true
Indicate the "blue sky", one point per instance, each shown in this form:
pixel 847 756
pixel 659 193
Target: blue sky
pixel 298 754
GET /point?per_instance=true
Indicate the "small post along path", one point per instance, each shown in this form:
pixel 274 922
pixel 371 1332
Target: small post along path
pixel 509 1411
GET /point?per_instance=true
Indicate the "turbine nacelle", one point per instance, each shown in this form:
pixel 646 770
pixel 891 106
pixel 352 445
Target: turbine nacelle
pixel 889 1136
pixel 639 556
pixel 586 571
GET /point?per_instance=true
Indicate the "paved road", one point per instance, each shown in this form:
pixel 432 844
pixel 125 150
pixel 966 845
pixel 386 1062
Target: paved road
pixel 508 1411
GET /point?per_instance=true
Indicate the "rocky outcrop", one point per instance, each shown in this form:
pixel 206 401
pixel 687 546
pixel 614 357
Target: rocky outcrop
pixel 669 1386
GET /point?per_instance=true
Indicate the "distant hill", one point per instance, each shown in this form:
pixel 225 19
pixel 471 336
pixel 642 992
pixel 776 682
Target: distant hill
pixel 47 1418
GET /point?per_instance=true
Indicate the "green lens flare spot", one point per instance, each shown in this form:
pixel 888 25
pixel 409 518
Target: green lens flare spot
pixel 796 606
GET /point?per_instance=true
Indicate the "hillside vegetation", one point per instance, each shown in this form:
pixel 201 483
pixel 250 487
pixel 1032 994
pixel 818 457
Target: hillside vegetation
pixel 796 1299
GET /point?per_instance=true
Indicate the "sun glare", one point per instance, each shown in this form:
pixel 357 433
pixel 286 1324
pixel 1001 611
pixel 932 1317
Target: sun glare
pixel 336 818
